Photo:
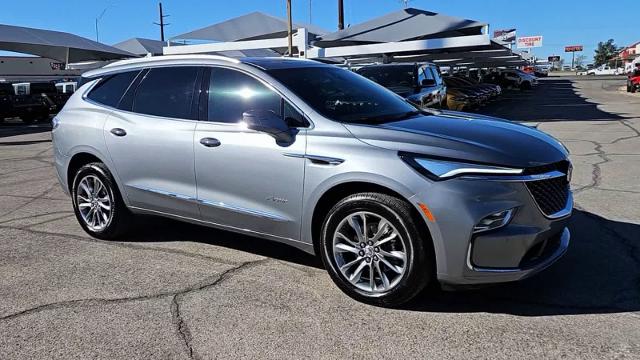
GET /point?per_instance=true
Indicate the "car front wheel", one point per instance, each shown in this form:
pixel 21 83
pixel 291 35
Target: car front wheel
pixel 97 203
pixel 374 251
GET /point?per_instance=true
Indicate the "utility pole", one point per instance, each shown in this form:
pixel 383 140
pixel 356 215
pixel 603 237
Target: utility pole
pixel 290 28
pixel 161 23
pixel 340 14
pixel 309 11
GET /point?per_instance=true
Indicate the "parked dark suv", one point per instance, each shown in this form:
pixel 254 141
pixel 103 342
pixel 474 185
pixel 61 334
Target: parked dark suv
pixel 420 84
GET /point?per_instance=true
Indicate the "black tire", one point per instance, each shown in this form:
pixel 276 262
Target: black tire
pixel 119 218
pixel 419 264
pixel 633 88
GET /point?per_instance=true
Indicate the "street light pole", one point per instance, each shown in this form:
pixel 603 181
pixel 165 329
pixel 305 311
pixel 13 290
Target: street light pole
pixel 98 19
pixel 290 28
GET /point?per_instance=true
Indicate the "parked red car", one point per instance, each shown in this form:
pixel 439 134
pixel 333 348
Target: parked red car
pixel 633 81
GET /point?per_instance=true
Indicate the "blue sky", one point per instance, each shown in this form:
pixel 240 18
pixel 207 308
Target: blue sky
pixel 559 22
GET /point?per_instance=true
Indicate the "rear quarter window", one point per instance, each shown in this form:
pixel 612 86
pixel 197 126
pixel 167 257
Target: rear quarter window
pixel 110 90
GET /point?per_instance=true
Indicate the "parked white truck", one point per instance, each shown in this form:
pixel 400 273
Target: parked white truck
pixel 605 70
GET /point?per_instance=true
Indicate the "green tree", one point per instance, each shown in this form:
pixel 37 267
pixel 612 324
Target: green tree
pixel 605 52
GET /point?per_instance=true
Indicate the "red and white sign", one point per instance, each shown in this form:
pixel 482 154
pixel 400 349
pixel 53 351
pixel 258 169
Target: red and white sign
pixel 526 42
pixel 573 48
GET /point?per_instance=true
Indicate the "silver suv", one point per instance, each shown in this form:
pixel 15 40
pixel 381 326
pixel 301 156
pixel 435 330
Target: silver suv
pixel 391 197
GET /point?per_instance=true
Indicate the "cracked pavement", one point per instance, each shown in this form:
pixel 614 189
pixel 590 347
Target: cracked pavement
pixel 173 290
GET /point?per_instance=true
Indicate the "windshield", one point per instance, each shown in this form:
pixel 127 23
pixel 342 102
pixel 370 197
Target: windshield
pixel 390 76
pixel 344 96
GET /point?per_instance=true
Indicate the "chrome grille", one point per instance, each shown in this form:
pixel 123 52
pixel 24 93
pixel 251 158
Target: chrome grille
pixel 551 195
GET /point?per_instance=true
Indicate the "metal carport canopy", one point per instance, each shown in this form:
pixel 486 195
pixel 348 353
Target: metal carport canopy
pixel 405 32
pixel 56 45
pixel 141 46
pixel 403 25
pixel 252 26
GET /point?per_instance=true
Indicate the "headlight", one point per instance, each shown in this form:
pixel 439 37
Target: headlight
pixel 436 169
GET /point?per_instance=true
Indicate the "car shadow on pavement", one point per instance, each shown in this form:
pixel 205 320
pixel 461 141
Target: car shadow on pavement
pixel 157 229
pixel 599 274
pixel 551 100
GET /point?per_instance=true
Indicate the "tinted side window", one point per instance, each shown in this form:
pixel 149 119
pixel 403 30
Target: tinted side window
pixel 424 74
pixel 167 92
pixel 109 90
pixel 292 117
pixel 231 93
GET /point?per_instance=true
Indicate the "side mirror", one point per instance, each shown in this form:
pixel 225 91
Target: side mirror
pixel 427 82
pixel 268 122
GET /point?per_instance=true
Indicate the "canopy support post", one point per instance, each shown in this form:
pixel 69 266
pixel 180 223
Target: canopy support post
pixel 66 59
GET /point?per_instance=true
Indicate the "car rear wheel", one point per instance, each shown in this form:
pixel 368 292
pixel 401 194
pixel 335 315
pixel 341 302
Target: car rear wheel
pixel 373 249
pixel 97 202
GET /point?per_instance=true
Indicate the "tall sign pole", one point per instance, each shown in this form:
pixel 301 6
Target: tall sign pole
pixel 289 28
pixel 340 14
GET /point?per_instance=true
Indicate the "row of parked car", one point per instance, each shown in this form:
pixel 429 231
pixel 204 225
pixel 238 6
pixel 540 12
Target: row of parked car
pixel 35 101
pixel 426 86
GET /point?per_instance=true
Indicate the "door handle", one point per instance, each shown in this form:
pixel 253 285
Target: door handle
pixel 210 142
pixel 118 132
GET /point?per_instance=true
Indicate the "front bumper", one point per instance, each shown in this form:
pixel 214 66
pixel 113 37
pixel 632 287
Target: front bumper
pixel 526 245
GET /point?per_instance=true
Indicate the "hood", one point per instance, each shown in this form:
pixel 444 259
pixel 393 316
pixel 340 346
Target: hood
pixel 465 137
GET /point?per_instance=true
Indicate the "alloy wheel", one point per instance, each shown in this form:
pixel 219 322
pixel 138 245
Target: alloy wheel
pixel 369 252
pixel 94 203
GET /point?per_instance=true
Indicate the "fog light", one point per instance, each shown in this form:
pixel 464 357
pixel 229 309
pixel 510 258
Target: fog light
pixel 494 221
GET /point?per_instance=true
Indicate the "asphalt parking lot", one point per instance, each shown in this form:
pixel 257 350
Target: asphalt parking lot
pixel 174 290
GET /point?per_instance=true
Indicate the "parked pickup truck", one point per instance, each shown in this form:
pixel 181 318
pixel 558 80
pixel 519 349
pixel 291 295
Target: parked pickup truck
pixel 421 84
pixel 605 70
pixel 47 91
pixel 27 107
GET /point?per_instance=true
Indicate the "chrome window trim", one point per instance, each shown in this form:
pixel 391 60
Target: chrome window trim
pixel 269 85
